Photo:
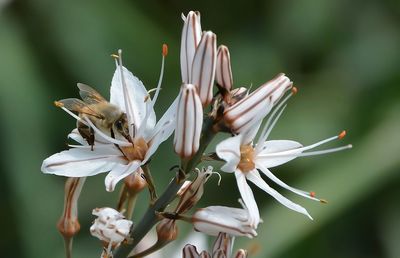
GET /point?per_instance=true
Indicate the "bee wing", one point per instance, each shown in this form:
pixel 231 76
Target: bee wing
pixel 78 106
pixel 90 95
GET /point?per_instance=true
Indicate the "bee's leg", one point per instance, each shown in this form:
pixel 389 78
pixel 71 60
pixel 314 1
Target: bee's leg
pixel 87 133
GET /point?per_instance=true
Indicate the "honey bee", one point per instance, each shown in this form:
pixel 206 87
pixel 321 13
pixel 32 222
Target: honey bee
pixel 105 116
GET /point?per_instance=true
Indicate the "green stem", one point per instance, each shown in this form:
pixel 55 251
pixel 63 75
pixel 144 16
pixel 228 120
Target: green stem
pixel 150 183
pixel 150 218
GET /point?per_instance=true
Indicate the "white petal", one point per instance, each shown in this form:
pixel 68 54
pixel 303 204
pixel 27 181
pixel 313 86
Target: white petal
pixel 203 69
pixel 76 136
pixel 137 94
pixel 248 198
pixel 229 150
pixel 191 35
pixel 79 162
pixel 118 173
pixel 250 134
pixel 255 178
pixel 274 147
pixel 283 184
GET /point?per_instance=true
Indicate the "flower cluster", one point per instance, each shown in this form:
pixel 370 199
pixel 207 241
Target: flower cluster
pixel 121 135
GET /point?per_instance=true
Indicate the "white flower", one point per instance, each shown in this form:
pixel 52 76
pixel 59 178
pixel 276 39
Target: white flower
pixel 119 156
pixel 215 219
pixel 246 159
pixel 110 226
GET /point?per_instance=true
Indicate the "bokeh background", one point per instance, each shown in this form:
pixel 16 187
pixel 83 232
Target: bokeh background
pixel 344 56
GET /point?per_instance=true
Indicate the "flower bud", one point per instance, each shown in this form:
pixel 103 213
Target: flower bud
pixel 167 231
pixel 190 251
pixel 189 122
pixel 203 69
pixel 191 35
pixel 215 219
pixel 251 109
pixel 222 246
pixel 110 226
pixel 68 225
pixel 241 253
pixel 223 73
pixel 135 182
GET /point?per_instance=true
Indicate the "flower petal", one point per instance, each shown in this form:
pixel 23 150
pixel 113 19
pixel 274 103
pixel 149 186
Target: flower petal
pixel 119 172
pixel 248 198
pixel 81 162
pixel 283 184
pixel 203 69
pixel 255 178
pixel 136 96
pixel 229 150
pixel 269 155
pixel 191 35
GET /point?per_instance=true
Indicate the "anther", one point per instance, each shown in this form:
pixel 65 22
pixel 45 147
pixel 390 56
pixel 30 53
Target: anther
pixel 114 56
pixel 312 194
pixel 164 49
pixel 342 134
pixel 294 90
pixel 58 104
pixel 323 201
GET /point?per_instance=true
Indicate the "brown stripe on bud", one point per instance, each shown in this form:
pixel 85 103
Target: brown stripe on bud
pixel 223 73
pixel 249 110
pixel 68 225
pixel 222 245
pixel 190 251
pixel 191 35
pixel 203 69
pixel 189 122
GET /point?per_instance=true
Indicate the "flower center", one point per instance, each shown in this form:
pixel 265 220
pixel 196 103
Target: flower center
pixel 246 163
pixel 137 151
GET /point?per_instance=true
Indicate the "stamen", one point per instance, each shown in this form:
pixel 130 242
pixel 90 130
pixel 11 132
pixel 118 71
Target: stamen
pixel 312 194
pixel 269 125
pixel 157 90
pixel 342 134
pixel 60 105
pixel 128 107
pixel 106 137
pixel 314 153
pixel 294 90
pixel 116 57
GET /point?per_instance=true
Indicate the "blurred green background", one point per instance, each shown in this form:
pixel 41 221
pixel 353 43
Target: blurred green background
pixel 344 56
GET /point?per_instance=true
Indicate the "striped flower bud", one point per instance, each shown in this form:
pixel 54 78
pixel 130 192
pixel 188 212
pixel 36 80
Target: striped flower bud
pixel 223 70
pixel 203 69
pixel 222 246
pixel 191 35
pixel 254 107
pixel 189 122
pixel 241 253
pixel 215 219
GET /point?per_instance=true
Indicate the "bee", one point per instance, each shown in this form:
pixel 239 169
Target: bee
pixel 107 117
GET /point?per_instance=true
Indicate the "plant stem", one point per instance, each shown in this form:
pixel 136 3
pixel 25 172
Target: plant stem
pixel 150 217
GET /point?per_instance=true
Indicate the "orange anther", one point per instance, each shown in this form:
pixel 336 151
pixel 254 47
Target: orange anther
pixel 312 194
pixel 58 104
pixel 294 90
pixel 342 134
pixel 164 49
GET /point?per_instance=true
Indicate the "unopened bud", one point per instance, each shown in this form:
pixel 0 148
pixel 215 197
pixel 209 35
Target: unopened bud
pixel 68 225
pixel 222 246
pixel 167 231
pixel 215 219
pixel 203 69
pixel 135 182
pixel 191 35
pixel 223 71
pixel 189 122
pixel 241 253
pixel 251 109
